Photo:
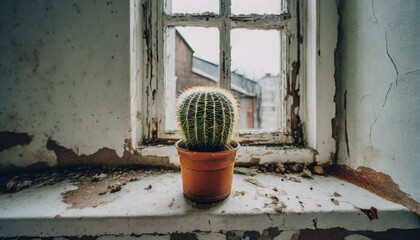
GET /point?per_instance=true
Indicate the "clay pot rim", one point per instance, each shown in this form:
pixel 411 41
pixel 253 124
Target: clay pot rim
pixel 232 142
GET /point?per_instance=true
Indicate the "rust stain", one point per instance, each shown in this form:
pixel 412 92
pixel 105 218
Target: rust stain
pixel 128 145
pixel 138 116
pixel 13 139
pixel 371 212
pixel 105 157
pixel 377 183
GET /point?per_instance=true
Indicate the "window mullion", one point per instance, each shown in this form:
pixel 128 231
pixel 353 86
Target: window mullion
pixel 195 20
pixel 225 56
pixel 260 21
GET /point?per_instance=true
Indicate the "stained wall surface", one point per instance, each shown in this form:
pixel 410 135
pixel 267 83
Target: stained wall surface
pixel 377 77
pixel 64 77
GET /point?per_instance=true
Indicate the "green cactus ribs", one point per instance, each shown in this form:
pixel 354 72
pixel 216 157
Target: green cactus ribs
pixel 207 117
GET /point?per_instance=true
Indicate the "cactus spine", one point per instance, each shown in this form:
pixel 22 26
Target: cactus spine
pixel 207 117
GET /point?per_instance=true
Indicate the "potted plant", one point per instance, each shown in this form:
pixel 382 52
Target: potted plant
pixel 207 117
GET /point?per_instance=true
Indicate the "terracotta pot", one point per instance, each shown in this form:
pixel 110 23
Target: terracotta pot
pixel 207 176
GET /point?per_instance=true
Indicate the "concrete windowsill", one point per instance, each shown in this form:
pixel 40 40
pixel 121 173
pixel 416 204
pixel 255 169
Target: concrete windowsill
pixel 317 203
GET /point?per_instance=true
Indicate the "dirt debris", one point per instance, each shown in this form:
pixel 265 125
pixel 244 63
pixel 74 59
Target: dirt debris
pixel 95 185
pixel 280 208
pixel 172 203
pixel 99 177
pixel 238 193
pixel 335 201
pixel 148 187
pixel 116 187
pixel 305 170
pixel 293 179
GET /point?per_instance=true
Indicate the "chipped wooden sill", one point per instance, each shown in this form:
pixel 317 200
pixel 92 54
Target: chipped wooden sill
pixel 246 156
pixel 137 202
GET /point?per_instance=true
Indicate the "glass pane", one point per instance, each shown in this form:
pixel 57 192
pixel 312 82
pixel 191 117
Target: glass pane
pixel 258 7
pixel 192 6
pixel 256 78
pixel 191 59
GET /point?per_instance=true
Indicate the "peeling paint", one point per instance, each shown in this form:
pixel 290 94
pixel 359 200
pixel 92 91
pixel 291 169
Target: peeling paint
pixel 106 157
pixel 12 139
pixel 54 85
pixel 293 91
pixel 183 236
pixel 337 121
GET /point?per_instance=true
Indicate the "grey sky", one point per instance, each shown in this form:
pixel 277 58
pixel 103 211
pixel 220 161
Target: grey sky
pixel 254 52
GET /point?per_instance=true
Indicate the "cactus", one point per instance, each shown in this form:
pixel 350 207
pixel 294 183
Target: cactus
pixel 207 117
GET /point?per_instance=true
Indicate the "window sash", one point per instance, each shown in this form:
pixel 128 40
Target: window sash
pixel 154 129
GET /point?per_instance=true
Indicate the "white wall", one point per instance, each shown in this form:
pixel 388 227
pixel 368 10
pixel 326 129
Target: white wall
pixel 64 75
pixel 378 89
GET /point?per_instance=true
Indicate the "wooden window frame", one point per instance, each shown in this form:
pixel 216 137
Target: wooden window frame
pixel 308 110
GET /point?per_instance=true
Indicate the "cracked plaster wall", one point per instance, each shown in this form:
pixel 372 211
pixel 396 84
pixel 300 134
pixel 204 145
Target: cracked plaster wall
pixel 64 75
pixel 377 74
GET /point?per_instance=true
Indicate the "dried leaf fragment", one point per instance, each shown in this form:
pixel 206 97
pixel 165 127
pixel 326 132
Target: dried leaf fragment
pixel 148 187
pixel 318 170
pixel 306 173
pixel 255 182
pixel 245 171
pixel 293 179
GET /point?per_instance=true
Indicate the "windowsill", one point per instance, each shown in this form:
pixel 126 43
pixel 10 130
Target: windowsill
pixel 246 155
pixel 318 203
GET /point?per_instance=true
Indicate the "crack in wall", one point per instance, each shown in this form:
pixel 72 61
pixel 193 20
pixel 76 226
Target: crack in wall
pixel 337 121
pixel 412 71
pixel 386 95
pixel 379 113
pixel 346 135
pixel 390 58
pixel 387 92
pixel 373 14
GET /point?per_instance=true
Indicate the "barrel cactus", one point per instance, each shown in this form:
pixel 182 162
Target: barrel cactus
pixel 207 117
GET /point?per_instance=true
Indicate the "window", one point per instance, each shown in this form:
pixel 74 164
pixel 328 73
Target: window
pixel 235 26
pixel 297 108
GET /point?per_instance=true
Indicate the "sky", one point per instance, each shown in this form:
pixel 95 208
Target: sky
pixel 254 52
